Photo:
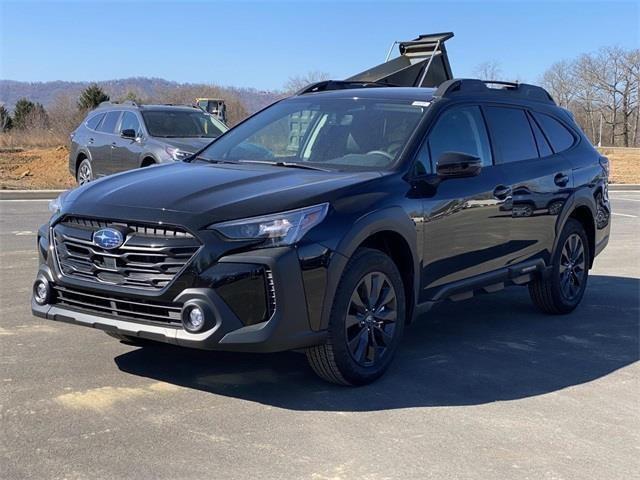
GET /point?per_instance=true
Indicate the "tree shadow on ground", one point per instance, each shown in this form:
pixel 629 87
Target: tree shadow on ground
pixel 492 348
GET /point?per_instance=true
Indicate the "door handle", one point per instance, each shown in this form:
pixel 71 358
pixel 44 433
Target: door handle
pixel 501 192
pixel 113 145
pixel 91 140
pixel 561 179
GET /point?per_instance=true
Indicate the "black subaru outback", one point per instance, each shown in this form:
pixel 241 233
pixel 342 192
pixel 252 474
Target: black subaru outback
pixel 330 220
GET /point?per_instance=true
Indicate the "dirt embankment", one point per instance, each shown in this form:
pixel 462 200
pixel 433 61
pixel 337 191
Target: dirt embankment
pixel 35 168
pixel 43 168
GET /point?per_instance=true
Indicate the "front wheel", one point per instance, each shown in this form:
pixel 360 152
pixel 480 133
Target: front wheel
pixel 366 323
pixel 563 290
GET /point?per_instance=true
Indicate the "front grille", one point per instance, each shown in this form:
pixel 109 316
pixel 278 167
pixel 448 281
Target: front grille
pixel 150 257
pixel 119 307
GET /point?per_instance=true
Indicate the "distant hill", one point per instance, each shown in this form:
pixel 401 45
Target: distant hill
pixel 47 92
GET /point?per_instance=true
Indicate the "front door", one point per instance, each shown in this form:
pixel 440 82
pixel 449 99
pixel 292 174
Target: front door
pixel 466 228
pixel 126 152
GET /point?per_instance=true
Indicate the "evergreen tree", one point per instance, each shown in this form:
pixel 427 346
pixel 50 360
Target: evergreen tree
pixel 91 97
pixel 5 119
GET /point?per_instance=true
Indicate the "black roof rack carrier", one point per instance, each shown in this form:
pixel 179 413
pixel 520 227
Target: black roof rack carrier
pixel 422 62
pixel 464 86
pixel 113 102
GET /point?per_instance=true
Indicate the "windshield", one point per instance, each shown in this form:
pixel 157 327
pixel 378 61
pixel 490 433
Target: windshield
pixel 350 133
pixel 182 123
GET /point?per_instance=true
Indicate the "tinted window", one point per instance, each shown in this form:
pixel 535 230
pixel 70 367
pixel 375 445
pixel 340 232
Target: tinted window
pixel 108 125
pixel 560 138
pixel 93 122
pixel 511 133
pixel 543 146
pixel 130 122
pixel 460 130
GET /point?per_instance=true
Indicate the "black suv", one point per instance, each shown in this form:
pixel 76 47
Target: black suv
pixel 120 136
pixel 330 220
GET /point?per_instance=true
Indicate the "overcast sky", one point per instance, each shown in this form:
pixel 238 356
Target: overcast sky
pixel 262 44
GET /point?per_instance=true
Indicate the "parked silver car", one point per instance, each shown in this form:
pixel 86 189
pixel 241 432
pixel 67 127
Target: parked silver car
pixel 122 136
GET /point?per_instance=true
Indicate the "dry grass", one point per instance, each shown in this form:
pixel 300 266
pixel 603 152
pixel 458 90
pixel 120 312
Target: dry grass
pixel 625 164
pixel 47 167
pixel 32 138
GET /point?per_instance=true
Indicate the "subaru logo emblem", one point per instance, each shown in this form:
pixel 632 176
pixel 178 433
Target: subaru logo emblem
pixel 108 238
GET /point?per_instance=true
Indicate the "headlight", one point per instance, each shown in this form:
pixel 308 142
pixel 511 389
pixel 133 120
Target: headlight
pixel 178 154
pixel 56 205
pixel 276 230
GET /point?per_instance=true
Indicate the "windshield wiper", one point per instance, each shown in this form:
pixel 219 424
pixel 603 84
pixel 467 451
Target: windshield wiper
pixel 286 164
pixel 209 160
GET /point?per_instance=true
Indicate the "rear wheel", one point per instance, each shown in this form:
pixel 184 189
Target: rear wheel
pixel 563 290
pixel 366 324
pixel 85 172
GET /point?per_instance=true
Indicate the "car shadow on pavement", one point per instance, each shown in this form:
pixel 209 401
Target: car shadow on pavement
pixel 492 348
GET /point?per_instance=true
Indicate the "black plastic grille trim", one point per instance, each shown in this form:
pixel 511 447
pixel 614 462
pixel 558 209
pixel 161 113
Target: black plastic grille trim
pixel 163 313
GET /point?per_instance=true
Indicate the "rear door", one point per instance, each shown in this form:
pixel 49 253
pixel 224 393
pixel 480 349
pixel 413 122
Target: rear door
pixel 466 232
pixel 104 142
pixel 126 152
pixel 538 180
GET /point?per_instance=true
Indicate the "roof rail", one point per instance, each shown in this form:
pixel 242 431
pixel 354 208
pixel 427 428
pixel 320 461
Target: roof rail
pixel 462 86
pixel 326 85
pixel 126 102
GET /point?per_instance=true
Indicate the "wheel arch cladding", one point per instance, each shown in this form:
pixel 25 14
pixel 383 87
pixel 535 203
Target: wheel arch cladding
pixel 391 229
pixel 584 215
pixel 395 246
pixel 79 158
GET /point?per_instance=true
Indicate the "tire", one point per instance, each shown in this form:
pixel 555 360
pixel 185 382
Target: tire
pixel 563 290
pixel 363 335
pixel 128 339
pixel 85 172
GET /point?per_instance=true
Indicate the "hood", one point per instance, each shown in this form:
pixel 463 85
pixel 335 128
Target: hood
pixel 198 194
pixel 188 144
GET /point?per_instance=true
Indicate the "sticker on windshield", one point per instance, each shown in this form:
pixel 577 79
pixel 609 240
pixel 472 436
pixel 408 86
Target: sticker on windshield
pixel 419 103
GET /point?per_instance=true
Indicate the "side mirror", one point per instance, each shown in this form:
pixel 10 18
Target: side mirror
pixel 457 165
pixel 128 133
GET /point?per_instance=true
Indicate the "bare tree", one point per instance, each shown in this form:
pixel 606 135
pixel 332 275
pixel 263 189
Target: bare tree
pixel 298 82
pixel 489 70
pixel 600 87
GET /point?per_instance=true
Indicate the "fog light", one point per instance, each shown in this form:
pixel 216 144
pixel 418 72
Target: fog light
pixel 194 320
pixel 41 292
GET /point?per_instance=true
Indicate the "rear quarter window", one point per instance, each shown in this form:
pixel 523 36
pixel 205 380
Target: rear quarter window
pixel 511 134
pixel 94 121
pixel 558 135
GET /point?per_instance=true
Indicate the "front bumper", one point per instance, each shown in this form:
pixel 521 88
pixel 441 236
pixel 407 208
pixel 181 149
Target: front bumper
pixel 288 326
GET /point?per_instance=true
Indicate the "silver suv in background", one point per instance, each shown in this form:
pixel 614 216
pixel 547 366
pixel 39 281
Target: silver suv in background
pixel 117 137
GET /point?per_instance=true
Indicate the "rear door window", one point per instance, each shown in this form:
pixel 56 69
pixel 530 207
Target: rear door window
pixel 94 121
pixel 543 145
pixel 461 130
pixel 511 133
pixel 560 137
pixel 108 125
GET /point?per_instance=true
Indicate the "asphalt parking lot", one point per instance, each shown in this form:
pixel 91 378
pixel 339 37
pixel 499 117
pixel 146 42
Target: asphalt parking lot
pixel 483 389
